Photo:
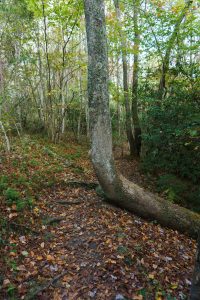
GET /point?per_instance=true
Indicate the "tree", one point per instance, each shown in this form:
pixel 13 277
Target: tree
pixel 195 288
pixel 129 131
pixel 136 122
pixel 170 44
pixel 117 188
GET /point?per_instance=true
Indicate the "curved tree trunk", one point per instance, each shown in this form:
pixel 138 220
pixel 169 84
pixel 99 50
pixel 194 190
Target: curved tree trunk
pixel 118 189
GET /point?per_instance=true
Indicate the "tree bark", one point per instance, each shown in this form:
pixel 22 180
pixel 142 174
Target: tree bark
pixel 7 142
pixel 170 45
pixel 195 288
pixel 117 188
pixel 136 122
pixel 129 131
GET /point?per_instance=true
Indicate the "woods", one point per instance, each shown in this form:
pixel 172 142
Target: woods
pixel 118 80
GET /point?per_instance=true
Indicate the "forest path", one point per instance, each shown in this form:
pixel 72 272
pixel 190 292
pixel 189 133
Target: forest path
pixel 79 247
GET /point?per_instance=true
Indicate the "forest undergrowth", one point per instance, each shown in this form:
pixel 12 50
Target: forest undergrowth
pixel 60 240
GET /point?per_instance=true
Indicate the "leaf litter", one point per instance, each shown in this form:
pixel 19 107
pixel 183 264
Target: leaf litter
pixel 56 249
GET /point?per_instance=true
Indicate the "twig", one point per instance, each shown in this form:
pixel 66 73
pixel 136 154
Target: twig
pixel 45 286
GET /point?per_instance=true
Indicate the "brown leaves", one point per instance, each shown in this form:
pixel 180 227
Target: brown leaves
pixel 105 252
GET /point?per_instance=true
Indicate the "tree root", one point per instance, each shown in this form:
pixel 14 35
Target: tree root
pixel 50 221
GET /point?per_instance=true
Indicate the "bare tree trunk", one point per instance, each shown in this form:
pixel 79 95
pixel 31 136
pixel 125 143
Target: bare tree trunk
pixel 50 111
pixel 195 288
pixel 42 105
pixel 136 122
pixel 118 103
pixel 118 189
pixel 7 142
pixel 170 45
pixel 125 83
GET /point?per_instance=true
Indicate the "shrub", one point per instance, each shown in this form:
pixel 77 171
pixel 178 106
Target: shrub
pixel 3 183
pixel 171 145
pixel 12 195
pixel 173 187
pixel 171 137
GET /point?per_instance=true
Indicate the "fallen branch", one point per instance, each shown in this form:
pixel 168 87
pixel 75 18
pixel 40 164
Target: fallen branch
pixel 45 286
pixel 50 221
pixel 14 224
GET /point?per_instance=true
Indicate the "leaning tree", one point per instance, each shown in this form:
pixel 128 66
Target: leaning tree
pixel 117 188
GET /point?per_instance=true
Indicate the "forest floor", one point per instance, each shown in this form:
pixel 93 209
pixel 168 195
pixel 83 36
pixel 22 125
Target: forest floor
pixel 59 240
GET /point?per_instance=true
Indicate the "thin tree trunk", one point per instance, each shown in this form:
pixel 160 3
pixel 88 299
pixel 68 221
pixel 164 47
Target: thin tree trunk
pixel 42 109
pixel 195 288
pixel 125 83
pixel 118 189
pixel 118 103
pixel 166 59
pixel 50 111
pixel 7 142
pixel 136 122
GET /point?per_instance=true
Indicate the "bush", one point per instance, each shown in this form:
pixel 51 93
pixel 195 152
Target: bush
pixel 171 139
pixel 12 195
pixel 173 187
pixel 171 146
pixel 3 183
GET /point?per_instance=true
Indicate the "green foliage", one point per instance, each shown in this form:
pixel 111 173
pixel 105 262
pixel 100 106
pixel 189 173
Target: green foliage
pixel 173 187
pixel 12 195
pixel 78 170
pixel 171 136
pixel 33 163
pixel 48 152
pixel 171 139
pixel 73 156
pixel 3 183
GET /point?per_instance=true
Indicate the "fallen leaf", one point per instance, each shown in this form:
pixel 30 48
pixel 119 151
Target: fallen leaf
pixel 24 253
pixel 174 286
pixel 39 257
pixel 6 282
pixel 21 268
pixel 50 257
pixel 12 215
pixel 138 297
